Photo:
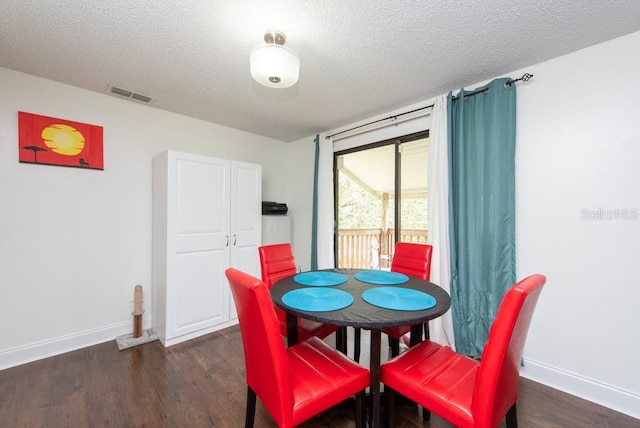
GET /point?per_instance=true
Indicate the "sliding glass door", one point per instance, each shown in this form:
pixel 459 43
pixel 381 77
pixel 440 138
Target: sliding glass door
pixel 381 198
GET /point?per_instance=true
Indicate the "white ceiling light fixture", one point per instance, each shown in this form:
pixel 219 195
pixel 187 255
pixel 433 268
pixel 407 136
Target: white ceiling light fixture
pixel 272 64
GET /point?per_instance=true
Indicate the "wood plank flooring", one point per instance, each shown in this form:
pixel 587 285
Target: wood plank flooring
pixel 200 383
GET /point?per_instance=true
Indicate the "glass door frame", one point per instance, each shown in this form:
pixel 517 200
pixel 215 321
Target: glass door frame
pixel 397 141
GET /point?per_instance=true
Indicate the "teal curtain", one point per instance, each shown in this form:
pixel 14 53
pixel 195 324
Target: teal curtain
pixel 481 142
pixel 314 218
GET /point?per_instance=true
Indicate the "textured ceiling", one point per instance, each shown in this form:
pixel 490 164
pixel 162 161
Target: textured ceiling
pixel 358 58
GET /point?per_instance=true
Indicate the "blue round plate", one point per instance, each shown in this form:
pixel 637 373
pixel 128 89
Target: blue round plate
pixel 317 299
pixel 320 279
pixel 398 298
pixel 381 277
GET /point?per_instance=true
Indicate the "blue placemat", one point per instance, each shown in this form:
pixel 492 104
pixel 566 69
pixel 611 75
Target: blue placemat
pixel 381 277
pixel 320 279
pixel 398 298
pixel 317 299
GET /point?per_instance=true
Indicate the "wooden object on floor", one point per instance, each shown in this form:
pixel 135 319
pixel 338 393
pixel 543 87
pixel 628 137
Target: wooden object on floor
pixel 137 311
pixel 138 337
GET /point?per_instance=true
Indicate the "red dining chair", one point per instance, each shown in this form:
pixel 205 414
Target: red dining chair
pixel 465 392
pixel 277 262
pixel 412 260
pixel 295 383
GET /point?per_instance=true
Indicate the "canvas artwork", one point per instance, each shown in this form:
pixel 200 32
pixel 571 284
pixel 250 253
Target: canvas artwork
pixel 51 141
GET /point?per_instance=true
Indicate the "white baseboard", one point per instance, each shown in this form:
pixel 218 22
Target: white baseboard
pixel 596 392
pixel 60 345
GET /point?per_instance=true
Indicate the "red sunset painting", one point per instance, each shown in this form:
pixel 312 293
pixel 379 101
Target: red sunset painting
pixel 51 141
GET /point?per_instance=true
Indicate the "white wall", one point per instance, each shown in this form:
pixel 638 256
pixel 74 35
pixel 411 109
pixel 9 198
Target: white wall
pixel 578 151
pixel 578 148
pixel 75 242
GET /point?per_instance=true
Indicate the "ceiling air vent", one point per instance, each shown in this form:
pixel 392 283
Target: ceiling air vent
pixel 143 98
pixel 128 94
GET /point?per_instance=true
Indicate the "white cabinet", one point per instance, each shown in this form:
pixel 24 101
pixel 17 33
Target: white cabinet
pixel 276 229
pixel 206 217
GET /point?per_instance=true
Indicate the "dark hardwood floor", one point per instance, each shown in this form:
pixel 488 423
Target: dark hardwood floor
pixel 200 383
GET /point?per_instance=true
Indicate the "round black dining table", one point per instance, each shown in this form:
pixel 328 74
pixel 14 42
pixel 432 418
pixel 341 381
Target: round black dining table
pixel 361 314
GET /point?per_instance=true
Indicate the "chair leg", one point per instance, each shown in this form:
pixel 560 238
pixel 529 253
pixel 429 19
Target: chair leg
pixel 394 344
pixel 512 417
pixel 251 408
pixel 389 406
pixel 341 340
pixel 426 414
pixel 361 415
pixel 356 344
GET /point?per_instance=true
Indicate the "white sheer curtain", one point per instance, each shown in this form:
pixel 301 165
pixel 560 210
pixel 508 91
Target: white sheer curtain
pixel 440 329
pixel 326 259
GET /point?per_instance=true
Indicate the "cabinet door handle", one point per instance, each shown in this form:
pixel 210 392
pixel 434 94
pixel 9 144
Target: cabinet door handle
pixel 226 240
pixel 235 240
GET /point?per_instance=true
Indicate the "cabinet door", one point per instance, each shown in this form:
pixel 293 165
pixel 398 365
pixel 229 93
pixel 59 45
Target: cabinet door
pixel 246 215
pixel 198 246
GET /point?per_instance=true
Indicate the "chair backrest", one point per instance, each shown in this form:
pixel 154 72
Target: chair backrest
pixel 412 259
pixel 276 262
pixel 496 387
pixel 264 351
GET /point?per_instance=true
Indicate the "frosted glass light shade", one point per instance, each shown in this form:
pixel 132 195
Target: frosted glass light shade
pixel 274 66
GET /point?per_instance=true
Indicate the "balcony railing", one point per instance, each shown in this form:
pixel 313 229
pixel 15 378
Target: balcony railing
pixel 371 248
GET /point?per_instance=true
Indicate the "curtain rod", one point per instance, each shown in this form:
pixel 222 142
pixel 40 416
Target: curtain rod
pixel 394 117
pixel 525 77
